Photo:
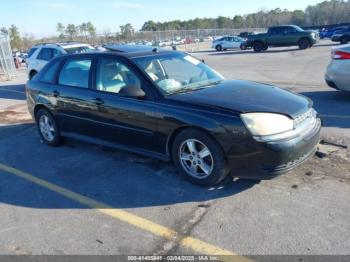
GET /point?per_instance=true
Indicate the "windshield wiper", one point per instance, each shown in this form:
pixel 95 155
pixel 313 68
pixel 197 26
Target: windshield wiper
pixel 186 90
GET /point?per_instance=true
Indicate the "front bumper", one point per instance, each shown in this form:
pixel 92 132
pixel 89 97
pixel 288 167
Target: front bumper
pixel 270 159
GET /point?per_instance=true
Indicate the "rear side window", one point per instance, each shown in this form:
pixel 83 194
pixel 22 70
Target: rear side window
pixel 48 53
pixel 289 30
pixel 75 73
pixel 50 75
pixel 276 31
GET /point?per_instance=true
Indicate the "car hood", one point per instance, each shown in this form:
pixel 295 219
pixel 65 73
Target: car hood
pixel 245 96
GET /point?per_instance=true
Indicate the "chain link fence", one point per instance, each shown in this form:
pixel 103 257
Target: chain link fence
pixel 187 40
pixel 7 65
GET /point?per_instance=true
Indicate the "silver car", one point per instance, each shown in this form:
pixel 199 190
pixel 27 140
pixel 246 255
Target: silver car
pixel 228 42
pixel 338 71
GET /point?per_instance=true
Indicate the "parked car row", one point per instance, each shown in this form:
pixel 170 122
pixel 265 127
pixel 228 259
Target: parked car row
pixel 40 55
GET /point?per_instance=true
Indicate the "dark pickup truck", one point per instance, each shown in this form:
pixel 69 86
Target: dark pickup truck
pixel 342 36
pixel 288 35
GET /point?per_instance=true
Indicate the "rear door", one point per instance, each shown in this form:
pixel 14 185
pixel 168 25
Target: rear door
pixel 74 96
pixel 276 36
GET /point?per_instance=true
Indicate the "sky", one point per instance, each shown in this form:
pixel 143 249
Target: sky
pixel 40 17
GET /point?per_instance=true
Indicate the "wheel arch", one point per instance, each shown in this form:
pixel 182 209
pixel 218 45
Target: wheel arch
pixel 31 72
pixel 178 130
pixel 39 107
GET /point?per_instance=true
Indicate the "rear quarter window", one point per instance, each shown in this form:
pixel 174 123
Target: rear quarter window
pixel 49 76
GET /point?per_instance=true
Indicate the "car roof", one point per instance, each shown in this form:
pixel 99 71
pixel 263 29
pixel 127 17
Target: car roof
pixel 132 51
pixel 128 51
pixel 63 45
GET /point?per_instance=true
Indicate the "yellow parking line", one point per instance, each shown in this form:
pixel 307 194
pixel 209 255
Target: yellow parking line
pixel 139 222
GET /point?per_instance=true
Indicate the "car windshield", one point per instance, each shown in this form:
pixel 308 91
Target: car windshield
pixel 178 73
pixel 31 51
pixel 78 50
pixel 298 28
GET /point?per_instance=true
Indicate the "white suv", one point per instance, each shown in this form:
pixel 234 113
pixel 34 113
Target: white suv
pixel 40 55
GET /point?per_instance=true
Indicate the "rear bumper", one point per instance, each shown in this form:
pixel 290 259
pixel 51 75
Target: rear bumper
pixel 268 160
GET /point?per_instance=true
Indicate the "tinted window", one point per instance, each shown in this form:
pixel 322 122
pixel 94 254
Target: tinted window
pixel 276 30
pixel 75 73
pixel 112 76
pixel 289 30
pixel 32 51
pixel 50 75
pixel 48 53
pixel 78 50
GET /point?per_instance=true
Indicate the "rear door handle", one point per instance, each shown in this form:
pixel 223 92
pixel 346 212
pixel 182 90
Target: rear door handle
pixel 56 93
pixel 98 101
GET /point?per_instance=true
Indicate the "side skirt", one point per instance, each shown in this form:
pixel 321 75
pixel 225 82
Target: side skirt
pixel 135 150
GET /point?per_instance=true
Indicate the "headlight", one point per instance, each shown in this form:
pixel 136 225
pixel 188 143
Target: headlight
pixel 313 34
pixel 267 124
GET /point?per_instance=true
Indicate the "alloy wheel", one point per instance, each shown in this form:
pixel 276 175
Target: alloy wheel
pixel 196 158
pixel 46 128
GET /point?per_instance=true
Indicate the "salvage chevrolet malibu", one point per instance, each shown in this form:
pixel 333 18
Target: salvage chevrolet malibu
pixel 171 106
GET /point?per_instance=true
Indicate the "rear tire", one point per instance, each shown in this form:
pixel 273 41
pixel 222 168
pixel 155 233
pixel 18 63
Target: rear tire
pixel 304 43
pixel 47 127
pixel 258 47
pixel 199 158
pixel 243 47
pixel 218 48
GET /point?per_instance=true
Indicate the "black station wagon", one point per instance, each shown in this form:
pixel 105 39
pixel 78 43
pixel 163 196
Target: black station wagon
pixel 171 106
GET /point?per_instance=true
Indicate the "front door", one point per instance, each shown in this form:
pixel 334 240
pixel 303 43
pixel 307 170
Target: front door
pixel 122 119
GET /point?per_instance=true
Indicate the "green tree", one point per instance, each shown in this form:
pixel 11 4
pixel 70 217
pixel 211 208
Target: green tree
pixel 127 31
pixel 4 30
pixel 61 30
pixel 15 38
pixel 149 26
pixel 238 21
pixel 91 29
pixel 71 30
pixel 83 29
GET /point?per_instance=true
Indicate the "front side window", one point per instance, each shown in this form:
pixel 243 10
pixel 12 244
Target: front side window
pixel 75 73
pixel 174 73
pixel 113 76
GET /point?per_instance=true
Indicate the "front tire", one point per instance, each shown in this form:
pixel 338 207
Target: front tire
pixel 304 43
pixel 219 48
pixel 199 158
pixel 47 127
pixel 258 47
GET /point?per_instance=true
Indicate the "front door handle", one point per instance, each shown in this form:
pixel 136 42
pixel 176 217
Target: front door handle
pixel 56 93
pixel 98 101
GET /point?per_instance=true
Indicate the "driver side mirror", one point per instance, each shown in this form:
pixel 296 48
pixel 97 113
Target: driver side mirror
pixel 133 91
pixel 203 61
